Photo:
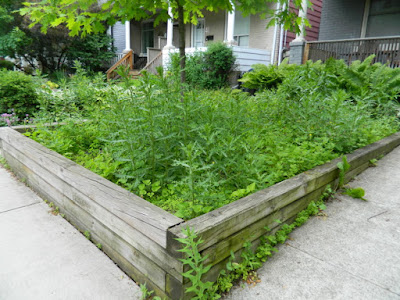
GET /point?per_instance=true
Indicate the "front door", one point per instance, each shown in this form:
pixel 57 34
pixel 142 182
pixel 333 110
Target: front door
pixel 147 36
pixel 198 34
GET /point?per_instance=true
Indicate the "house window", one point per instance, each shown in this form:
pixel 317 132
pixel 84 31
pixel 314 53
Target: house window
pixel 198 34
pixel 241 30
pixel 384 18
pixel 147 36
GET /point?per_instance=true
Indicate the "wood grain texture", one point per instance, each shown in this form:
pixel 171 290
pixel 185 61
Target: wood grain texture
pixel 83 220
pixel 141 237
pixel 129 230
pixel 142 215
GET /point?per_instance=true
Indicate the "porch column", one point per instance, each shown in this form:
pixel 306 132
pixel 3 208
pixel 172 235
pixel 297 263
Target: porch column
pixel 170 30
pixel 298 44
pixel 127 36
pixel 302 14
pixel 230 27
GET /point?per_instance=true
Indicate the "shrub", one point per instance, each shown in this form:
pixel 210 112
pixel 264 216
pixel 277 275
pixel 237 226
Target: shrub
pixel 6 64
pixel 73 97
pixel 17 93
pixel 219 62
pixel 93 52
pixel 209 69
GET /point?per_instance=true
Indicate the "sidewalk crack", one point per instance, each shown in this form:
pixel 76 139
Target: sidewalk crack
pixel 19 207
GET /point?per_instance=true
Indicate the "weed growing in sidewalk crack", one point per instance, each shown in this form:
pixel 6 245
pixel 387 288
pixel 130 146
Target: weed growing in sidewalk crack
pixel 87 234
pixel 357 193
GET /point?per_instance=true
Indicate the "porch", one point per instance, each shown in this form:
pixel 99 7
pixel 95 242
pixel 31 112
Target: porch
pixel 385 49
pixel 151 45
pixel 354 30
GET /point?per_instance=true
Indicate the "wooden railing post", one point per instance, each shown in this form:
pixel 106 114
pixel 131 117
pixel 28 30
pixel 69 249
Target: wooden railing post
pixel 306 52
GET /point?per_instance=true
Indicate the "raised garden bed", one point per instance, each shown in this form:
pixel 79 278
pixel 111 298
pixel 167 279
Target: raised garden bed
pixel 140 237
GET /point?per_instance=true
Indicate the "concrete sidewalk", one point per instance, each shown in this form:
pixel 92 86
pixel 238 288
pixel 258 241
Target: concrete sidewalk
pixel 42 256
pixel 352 253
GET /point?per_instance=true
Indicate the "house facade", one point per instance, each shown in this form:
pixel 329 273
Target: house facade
pixel 343 19
pixel 353 30
pixel 251 40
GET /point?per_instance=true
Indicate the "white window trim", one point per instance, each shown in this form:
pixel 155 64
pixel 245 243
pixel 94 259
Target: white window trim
pixel 365 19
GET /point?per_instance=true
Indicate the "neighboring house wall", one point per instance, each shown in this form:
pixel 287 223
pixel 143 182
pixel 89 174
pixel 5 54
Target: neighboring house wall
pixel 383 18
pixel 118 34
pixel 314 17
pixel 341 19
pixel 261 37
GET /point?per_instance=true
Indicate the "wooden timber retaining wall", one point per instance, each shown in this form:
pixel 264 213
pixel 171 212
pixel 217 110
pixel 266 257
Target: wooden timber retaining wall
pixel 140 237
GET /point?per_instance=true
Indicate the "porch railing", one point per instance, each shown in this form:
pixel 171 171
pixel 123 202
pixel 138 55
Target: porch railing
pixel 154 63
pixel 386 50
pixel 126 60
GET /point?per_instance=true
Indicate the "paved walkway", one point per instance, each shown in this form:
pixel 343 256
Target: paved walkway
pixel 43 257
pixel 353 253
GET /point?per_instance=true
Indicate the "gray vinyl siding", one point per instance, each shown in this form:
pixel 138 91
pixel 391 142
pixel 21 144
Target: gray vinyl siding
pixel 118 31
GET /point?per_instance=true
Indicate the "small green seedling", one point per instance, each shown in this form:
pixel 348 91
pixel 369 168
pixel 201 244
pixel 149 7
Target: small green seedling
pixel 343 166
pixel 146 294
pixel 373 162
pixel 98 245
pixel 357 193
pixel 87 234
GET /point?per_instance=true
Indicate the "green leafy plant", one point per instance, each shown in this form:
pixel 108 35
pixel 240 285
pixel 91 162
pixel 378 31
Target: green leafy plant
pixel 264 77
pixel 373 162
pixel 146 294
pixel 357 193
pixel 6 64
pixel 17 93
pixel 343 167
pixel 87 234
pixel 250 260
pixel 194 260
pixel 209 69
pixel 4 163
pixel 192 156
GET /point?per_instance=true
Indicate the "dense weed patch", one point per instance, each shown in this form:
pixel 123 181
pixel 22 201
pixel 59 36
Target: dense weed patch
pixel 191 151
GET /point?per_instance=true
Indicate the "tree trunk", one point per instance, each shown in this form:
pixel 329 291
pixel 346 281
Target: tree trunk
pixel 182 57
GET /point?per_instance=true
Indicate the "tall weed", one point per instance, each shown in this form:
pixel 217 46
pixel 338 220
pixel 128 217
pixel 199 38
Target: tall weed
pixel 195 155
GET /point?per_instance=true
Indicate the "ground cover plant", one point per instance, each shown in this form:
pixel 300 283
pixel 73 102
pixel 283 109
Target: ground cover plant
pixel 191 151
